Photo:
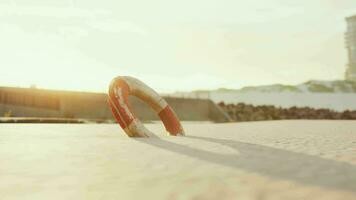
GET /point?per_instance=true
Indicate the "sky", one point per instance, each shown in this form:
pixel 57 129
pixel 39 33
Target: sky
pixel 171 45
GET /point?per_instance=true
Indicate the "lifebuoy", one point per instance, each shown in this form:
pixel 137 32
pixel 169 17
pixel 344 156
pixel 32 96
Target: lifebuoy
pixel 124 86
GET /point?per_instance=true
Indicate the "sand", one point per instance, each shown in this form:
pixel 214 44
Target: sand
pixel 254 160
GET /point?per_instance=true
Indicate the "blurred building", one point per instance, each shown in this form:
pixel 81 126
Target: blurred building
pixel 350 37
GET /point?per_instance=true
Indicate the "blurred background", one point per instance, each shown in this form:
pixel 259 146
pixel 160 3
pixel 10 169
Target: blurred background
pixel 213 60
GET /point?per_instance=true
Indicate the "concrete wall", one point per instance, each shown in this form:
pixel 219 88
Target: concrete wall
pixel 47 103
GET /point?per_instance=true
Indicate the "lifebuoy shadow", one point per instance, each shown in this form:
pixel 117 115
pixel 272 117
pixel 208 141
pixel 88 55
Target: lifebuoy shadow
pixel 273 162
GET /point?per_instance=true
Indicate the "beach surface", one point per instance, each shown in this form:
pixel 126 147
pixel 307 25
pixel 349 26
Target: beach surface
pixel 254 160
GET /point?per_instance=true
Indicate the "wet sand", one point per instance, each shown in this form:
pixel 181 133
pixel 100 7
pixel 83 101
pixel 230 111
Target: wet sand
pixel 253 160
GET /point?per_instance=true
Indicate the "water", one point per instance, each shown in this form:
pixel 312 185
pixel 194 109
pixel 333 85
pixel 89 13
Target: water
pixel 334 101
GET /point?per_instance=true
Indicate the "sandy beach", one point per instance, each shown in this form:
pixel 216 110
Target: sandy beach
pixel 253 160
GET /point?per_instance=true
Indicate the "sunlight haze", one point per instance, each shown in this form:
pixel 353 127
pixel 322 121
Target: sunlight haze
pixel 171 45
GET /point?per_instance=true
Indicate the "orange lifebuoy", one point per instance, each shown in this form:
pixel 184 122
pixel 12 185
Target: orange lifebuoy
pixel 124 86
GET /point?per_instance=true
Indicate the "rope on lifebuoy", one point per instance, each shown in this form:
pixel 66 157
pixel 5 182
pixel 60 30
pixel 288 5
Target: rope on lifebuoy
pixel 124 86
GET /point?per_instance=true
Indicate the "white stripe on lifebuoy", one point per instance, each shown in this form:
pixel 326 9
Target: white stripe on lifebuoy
pixel 142 91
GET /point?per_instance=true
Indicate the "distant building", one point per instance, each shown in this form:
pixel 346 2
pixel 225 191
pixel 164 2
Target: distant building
pixel 350 37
